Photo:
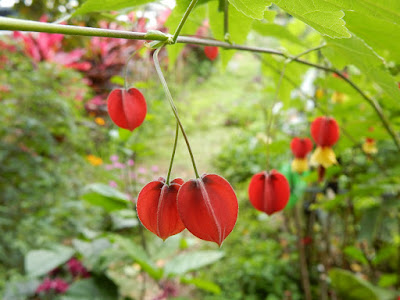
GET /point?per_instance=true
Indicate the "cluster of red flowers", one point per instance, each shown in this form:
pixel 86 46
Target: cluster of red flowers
pixel 58 285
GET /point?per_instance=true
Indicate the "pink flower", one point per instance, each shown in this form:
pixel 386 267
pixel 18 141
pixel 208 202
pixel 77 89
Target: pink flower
pixel 58 285
pixel 113 184
pixel 118 165
pixel 76 268
pixel 142 170
pixel 114 158
pixel 155 169
pixel 130 162
pixel 44 286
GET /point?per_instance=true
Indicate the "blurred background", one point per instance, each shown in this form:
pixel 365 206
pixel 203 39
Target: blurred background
pixel 69 177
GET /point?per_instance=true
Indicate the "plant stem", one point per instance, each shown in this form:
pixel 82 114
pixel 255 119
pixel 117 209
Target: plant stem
pixel 184 18
pixel 126 69
pixel 173 153
pixel 24 25
pixel 226 21
pixel 173 107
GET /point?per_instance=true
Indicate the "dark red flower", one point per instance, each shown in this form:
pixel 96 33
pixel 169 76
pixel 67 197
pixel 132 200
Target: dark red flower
pixel 301 147
pixel 208 207
pixel 127 109
pixel 157 207
pixel 269 192
pixel 58 285
pixel 325 131
pixel 211 52
pixel 77 269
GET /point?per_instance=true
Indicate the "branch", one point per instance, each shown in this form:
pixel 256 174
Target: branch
pixel 24 25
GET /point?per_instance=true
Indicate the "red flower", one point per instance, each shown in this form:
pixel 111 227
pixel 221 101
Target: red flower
pixel 301 147
pixel 325 131
pixel 211 52
pixel 58 285
pixel 208 207
pixel 127 109
pixel 157 207
pixel 269 192
pixel 77 269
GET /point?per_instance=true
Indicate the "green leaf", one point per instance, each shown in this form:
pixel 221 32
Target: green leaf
pixel 275 30
pixel 354 52
pixel 105 196
pixel 99 288
pixel 194 21
pixel 139 256
pixel 251 8
pixel 381 35
pixel 107 5
pixel 202 284
pixel 321 15
pixel 388 10
pixel 351 287
pixel 186 262
pixel 355 254
pixel 239 28
pixel 40 262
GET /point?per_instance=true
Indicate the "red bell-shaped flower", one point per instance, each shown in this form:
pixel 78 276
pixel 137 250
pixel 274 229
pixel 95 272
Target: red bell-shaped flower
pixel 157 210
pixel 301 147
pixel 211 52
pixel 325 131
pixel 269 192
pixel 127 109
pixel 208 207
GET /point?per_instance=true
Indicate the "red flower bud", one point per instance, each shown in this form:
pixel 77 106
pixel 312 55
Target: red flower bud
pixel 325 131
pixel 301 147
pixel 127 109
pixel 208 207
pixel 269 192
pixel 157 210
pixel 211 52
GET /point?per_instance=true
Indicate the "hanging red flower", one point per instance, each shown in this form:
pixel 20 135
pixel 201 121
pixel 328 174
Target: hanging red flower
pixel 211 52
pixel 269 192
pixel 127 108
pixel 208 207
pixel 300 148
pixel 325 132
pixel 157 209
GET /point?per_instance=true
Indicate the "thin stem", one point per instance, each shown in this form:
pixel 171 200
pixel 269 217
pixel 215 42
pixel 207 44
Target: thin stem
pixel 226 21
pixel 271 114
pixel 173 107
pixel 24 25
pixel 173 152
pixel 126 68
pixel 184 18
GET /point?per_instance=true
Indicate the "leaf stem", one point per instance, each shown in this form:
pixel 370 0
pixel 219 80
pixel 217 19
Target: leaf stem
pixel 173 153
pixel 183 21
pixel 173 107
pixel 226 21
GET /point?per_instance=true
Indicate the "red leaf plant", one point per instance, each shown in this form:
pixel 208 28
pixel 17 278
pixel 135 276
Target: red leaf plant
pixel 157 207
pixel 208 207
pixel 300 148
pixel 269 192
pixel 127 109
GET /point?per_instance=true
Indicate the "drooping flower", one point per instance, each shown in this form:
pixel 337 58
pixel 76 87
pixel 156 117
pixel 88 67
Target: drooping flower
pixel 157 207
pixel 300 148
pixel 325 132
pixel 269 192
pixel 208 207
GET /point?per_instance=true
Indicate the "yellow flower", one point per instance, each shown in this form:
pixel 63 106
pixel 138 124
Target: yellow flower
pixel 369 147
pixel 300 165
pixel 319 93
pixel 338 97
pixel 94 160
pixel 100 121
pixel 323 156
